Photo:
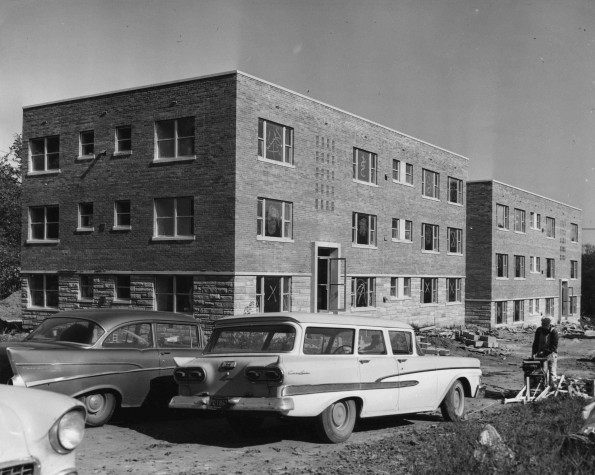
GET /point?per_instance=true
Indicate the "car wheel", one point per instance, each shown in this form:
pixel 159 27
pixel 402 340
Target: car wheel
pixel 100 407
pixel 244 424
pixel 337 421
pixel 453 404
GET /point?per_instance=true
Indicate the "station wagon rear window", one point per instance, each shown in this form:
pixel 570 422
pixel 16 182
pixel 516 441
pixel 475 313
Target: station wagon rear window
pixel 252 339
pixel 329 341
pixel 66 330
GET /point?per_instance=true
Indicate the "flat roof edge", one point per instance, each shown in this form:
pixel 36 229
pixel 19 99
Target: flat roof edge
pixel 524 191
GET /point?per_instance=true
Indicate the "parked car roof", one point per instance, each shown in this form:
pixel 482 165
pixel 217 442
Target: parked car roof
pixel 108 317
pixel 315 318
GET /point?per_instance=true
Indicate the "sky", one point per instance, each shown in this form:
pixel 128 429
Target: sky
pixel 509 84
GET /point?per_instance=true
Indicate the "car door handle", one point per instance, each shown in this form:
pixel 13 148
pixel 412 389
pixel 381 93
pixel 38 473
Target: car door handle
pixel 401 360
pixel 166 352
pixel 364 361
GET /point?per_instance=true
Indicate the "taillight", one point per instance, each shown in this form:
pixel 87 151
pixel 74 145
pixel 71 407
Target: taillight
pixel 190 375
pixel 264 374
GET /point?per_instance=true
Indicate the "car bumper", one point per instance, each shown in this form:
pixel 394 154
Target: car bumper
pixel 277 405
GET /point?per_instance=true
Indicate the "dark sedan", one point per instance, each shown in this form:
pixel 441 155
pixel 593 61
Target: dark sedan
pixel 104 357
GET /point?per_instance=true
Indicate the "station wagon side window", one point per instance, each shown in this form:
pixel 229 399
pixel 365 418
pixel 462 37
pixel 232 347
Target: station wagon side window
pixel 371 342
pixel 177 335
pixel 137 335
pixel 329 341
pixel 401 342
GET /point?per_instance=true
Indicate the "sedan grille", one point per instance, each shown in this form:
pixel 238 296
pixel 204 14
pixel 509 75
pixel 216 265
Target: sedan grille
pixel 24 469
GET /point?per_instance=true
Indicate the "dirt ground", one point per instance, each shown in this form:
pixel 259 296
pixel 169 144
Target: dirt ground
pixel 138 442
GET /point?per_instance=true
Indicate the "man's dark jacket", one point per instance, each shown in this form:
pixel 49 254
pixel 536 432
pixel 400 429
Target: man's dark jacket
pixel 545 341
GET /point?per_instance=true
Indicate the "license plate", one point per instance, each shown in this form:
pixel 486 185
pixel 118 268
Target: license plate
pixel 218 402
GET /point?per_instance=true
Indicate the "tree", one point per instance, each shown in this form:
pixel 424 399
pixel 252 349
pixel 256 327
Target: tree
pixel 10 218
pixel 588 280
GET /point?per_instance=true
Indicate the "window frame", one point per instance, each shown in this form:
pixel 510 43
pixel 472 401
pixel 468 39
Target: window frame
pixel 401 230
pixel 174 293
pixel 370 293
pixel 519 267
pixel 457 289
pixel 372 168
pixel 434 186
pixel 176 140
pixel 45 223
pixel 176 218
pixel 287 136
pixel 85 288
pixel 432 289
pixel 501 266
pixel 86 214
pixel 371 231
pixel 118 149
pixel 118 214
pixel 573 232
pixel 118 297
pixel 550 307
pixel 458 190
pixel 435 238
pixel 518 314
pixel 87 143
pixel 502 313
pixel 550 227
pixel 285 300
pixel 44 290
pixel 520 224
pixel 505 217
pixel 550 268
pixel 400 288
pixel 48 156
pixel 284 222
pixel 573 269
pixel 458 243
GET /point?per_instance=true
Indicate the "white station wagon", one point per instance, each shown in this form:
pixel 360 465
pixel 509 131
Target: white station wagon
pixel 332 368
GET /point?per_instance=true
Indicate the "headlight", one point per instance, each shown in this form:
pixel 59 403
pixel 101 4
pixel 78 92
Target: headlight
pixel 67 433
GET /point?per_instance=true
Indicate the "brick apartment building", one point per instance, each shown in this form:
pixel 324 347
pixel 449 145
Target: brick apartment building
pixel 227 194
pixel 523 256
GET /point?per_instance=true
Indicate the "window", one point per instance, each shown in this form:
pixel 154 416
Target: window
pixel 573 305
pixel 273 294
pixel 122 214
pixel 175 138
pixel 519 267
pixel 396 170
pixel 365 166
pixel 573 232
pixel 502 217
pixel 519 310
pixel 401 230
pixel 502 265
pixel 455 241
pixel 550 268
pixel 177 335
pixel 455 190
pixel 574 269
pixel 401 342
pixel 363 229
pixel 409 173
pixel 274 219
pixel 43 291
pixel 549 307
pixel 453 287
pixel 550 227
pixel 430 237
pixel 536 305
pixel 44 223
pixel 535 220
pixel 85 216
pixel 519 220
pixel 329 341
pixel 44 154
pixel 430 184
pixel 138 335
pixel 86 287
pixel 173 293
pixel 123 139
pixel 400 287
pixel 429 290
pixel 531 309
pixel 501 312
pixel 174 217
pixel 363 292
pixel 538 264
pixel 371 342
pixel 87 143
pixel 275 142
pixel 122 287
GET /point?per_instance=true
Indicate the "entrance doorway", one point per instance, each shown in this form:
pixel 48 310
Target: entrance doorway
pixel 564 299
pixel 330 278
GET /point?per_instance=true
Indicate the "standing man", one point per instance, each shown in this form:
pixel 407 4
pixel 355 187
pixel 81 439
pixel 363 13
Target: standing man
pixel 545 345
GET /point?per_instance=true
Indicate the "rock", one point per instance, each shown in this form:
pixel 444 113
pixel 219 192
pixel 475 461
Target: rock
pixel 493 449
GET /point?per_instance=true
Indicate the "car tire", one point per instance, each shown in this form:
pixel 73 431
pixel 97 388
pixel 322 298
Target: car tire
pixel 100 407
pixel 453 404
pixel 244 424
pixel 335 424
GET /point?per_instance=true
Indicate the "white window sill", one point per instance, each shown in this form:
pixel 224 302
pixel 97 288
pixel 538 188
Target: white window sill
pixel 362 309
pixel 173 238
pixel 404 241
pixel 398 299
pixel 367 183
pixel 459 254
pixel 276 162
pixel 84 158
pixel 429 304
pixel 363 246
pixel 550 278
pixel 44 172
pixel 431 198
pixel 550 237
pixel 44 309
pixel 122 302
pixel 85 230
pixel 123 153
pixel 121 228
pixel 425 251
pixel 519 278
pixel 501 278
pixel 404 183
pixel 157 161
pixel 519 232
pixel 43 241
pixel 502 229
pixel 268 238
pixel 455 203
pixel 457 302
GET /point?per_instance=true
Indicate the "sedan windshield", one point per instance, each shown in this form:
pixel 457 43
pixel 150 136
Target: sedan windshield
pixel 65 329
pixel 252 339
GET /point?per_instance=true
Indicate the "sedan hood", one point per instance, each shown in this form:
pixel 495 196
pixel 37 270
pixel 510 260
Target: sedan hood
pixel 13 443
